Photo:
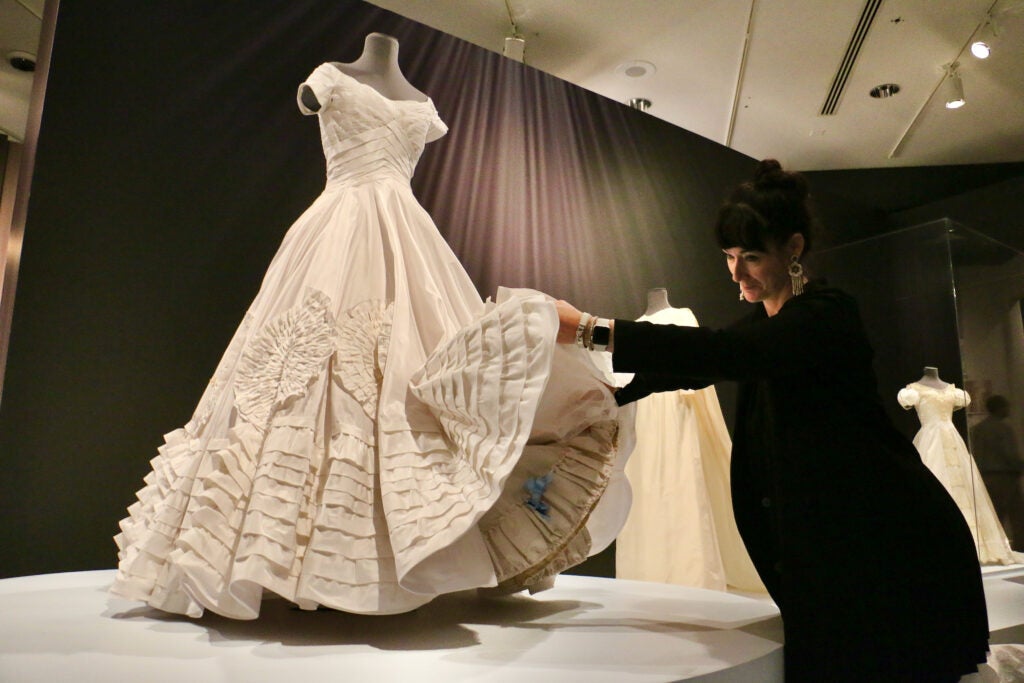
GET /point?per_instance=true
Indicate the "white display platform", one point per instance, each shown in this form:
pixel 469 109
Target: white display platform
pixel 63 627
pixel 1004 596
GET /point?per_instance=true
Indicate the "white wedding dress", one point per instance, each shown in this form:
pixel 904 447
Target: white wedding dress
pixel 944 452
pixel 375 434
pixel 681 527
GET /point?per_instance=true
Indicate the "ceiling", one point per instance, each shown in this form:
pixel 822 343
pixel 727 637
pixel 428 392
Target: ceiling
pixel 20 22
pixel 750 74
pixel 754 74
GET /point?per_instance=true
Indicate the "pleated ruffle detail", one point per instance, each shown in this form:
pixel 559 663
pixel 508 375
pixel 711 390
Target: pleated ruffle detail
pixel 305 495
pixel 529 542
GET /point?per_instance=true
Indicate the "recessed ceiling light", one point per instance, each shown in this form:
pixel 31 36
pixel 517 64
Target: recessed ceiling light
pixel 636 69
pixel 885 90
pixel 22 61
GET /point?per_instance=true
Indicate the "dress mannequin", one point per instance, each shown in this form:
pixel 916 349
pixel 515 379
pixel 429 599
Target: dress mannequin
pixel 335 458
pixel 944 452
pixel 378 68
pixel 930 378
pixel 657 300
pixel 681 527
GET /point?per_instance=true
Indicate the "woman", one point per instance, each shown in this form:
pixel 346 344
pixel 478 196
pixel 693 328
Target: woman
pixel 869 560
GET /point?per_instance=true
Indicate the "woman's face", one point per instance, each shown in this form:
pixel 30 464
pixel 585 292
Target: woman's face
pixel 762 275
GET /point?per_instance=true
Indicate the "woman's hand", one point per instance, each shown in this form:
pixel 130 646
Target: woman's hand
pixel 568 321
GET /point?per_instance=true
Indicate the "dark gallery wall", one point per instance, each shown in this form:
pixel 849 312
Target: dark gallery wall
pixel 172 159
pixel 898 262
pixel 996 210
pixel 902 282
pixel 988 198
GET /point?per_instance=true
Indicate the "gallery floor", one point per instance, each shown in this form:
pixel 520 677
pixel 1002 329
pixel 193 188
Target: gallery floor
pixel 65 627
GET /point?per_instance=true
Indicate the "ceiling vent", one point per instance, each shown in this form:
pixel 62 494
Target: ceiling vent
pixel 835 93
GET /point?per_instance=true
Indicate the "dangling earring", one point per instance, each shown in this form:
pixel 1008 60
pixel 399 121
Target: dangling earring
pixel 742 298
pixel 796 275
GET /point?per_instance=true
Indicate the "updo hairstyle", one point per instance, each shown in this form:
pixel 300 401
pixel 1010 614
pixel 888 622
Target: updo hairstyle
pixel 766 211
pixel 997 404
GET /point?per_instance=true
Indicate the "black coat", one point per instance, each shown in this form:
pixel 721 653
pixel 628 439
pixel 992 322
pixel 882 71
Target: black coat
pixel 868 558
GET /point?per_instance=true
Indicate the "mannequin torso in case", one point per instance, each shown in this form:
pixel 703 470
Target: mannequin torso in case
pixel 944 452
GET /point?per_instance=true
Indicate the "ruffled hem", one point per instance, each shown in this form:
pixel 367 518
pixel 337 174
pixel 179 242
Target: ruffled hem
pixel 300 498
pixel 252 527
pixel 530 542
pixel 483 387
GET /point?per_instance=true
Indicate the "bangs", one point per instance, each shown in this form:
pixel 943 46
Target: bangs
pixel 739 225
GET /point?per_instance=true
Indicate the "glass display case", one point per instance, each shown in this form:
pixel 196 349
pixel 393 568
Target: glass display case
pixel 946 296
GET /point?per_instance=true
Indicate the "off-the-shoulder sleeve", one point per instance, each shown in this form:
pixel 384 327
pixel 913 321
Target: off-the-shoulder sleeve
pixel 961 399
pixel 908 397
pixel 323 85
pixel 809 331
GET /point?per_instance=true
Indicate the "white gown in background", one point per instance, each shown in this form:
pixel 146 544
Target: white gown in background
pixel 375 434
pixel 681 527
pixel 944 452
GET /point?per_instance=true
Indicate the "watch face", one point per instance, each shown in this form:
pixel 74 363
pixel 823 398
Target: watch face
pixel 601 334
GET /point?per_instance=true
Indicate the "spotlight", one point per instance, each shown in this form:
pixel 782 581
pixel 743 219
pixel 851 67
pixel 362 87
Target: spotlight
pixel 641 103
pixel 515 44
pixel 515 48
pixel 987 34
pixel 981 49
pixel 953 87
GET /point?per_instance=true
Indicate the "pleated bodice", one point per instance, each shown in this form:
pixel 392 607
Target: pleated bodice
pixel 369 144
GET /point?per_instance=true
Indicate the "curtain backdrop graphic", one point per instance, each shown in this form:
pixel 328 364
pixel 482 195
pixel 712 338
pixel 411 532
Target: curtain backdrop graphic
pixel 172 159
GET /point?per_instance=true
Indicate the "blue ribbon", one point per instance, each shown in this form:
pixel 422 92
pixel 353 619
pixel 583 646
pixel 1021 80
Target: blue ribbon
pixel 536 486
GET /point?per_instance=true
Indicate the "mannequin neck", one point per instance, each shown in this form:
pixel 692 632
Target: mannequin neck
pixel 380 55
pixel 378 68
pixel 930 378
pixel 657 300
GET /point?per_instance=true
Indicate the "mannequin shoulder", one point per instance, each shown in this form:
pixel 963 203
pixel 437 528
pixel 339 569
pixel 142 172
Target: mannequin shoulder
pixel 391 84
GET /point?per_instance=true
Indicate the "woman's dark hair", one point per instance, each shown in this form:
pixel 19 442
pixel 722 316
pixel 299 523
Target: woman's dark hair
pixel 996 403
pixel 766 211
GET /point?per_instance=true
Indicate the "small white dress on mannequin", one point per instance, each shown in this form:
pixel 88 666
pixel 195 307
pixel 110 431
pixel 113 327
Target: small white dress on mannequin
pixel 944 452
pixel 681 527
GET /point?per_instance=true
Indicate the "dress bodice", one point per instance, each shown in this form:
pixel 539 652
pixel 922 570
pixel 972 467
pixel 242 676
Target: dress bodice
pixel 933 405
pixel 367 137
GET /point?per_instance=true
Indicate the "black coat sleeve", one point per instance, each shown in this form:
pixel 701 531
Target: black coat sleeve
pixel 809 330
pixel 646 383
